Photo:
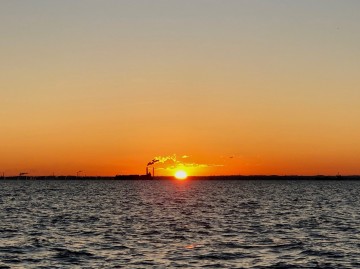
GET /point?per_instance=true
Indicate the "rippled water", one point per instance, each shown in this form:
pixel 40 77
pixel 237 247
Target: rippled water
pixel 186 224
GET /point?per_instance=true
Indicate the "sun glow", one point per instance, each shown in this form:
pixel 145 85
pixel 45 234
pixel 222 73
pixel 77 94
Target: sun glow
pixel 181 175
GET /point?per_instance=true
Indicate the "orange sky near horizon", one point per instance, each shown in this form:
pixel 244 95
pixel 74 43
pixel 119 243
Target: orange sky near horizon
pixel 242 87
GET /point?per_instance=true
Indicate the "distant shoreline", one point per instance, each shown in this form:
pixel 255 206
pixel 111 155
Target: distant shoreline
pixel 139 177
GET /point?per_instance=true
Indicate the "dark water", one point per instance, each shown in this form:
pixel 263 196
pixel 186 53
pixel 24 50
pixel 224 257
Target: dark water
pixel 185 224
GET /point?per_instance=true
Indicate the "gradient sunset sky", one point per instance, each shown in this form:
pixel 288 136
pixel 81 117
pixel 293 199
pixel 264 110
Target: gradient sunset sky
pixel 217 87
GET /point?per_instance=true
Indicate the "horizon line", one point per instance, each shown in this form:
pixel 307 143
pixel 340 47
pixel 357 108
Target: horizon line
pixel 170 176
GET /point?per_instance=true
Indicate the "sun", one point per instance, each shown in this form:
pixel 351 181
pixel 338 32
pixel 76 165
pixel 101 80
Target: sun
pixel 181 174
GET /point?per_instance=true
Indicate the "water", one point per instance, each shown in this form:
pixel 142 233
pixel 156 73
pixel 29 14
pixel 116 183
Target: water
pixel 180 224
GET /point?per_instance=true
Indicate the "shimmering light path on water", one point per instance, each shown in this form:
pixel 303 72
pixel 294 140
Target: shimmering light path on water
pixel 184 224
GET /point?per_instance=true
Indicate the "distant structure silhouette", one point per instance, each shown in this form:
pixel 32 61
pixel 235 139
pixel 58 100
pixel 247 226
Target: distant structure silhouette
pixel 147 175
pixel 22 174
pixel 154 161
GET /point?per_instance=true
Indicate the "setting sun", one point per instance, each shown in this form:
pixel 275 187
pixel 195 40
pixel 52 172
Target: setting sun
pixel 181 174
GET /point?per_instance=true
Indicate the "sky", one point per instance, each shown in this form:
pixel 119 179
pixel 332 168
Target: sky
pixel 209 86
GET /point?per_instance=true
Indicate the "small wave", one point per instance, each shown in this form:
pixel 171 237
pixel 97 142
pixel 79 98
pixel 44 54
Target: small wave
pixel 71 255
pixel 152 232
pixel 283 265
pixel 216 265
pixel 58 219
pixel 117 247
pixel 12 261
pixel 144 263
pixel 319 253
pixel 221 256
pixel 7 230
pixel 230 245
pixel 93 219
pixel 31 260
pixel 288 246
pixel 177 237
pixel 12 250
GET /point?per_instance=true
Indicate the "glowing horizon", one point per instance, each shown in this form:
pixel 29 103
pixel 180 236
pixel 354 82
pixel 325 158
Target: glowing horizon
pixel 246 87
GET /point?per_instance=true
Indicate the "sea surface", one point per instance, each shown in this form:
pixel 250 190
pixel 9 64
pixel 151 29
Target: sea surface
pixel 179 224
